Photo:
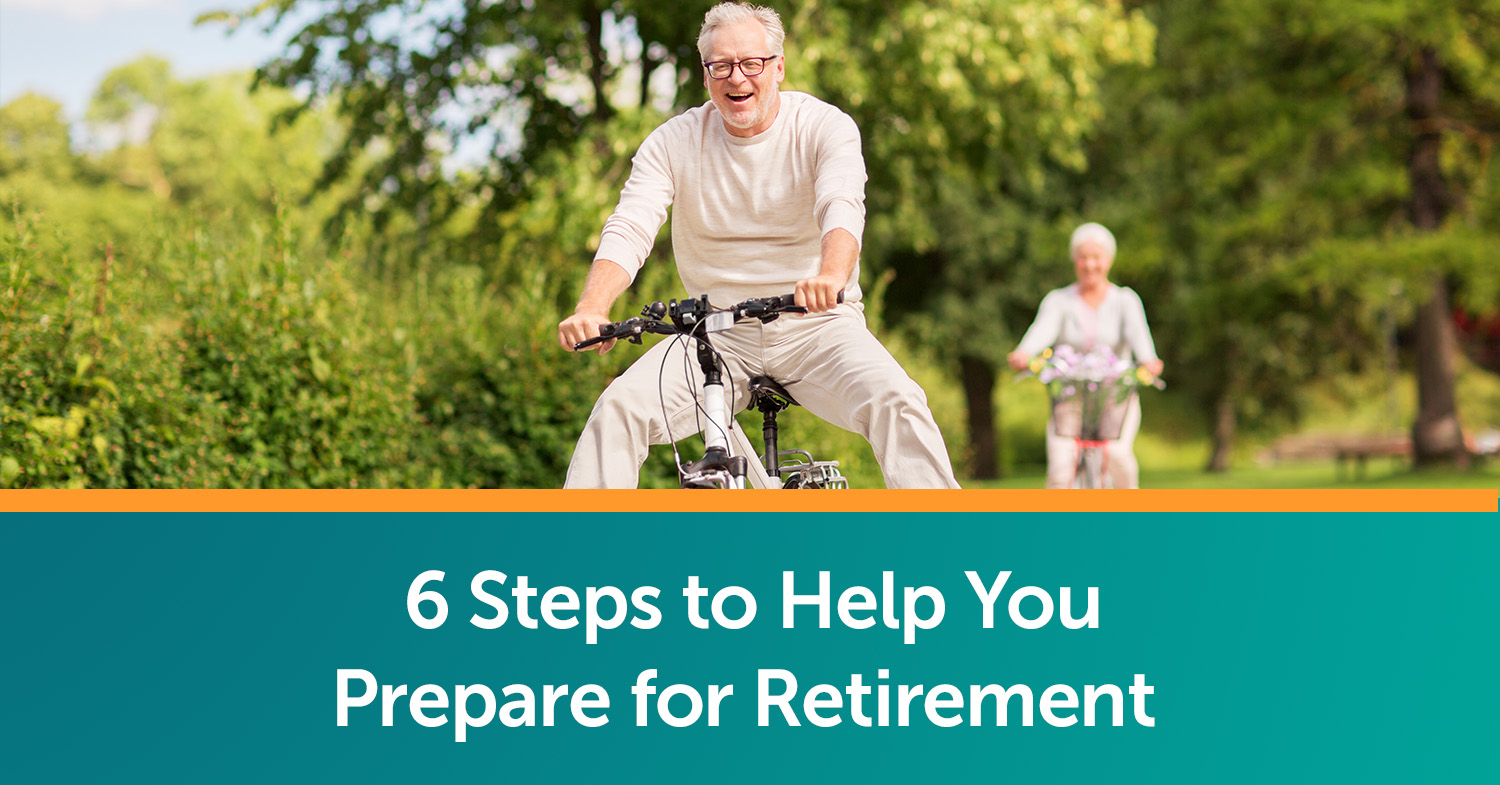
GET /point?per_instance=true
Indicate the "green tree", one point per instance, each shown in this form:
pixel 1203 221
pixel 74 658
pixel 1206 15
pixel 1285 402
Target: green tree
pixel 1449 58
pixel 509 81
pixel 976 116
pixel 34 139
pixel 1224 163
pixel 41 174
pixel 204 142
pixel 1275 151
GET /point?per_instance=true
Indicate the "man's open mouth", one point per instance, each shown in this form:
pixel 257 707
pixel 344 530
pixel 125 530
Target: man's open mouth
pixel 739 98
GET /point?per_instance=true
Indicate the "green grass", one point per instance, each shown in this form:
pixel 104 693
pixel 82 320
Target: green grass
pixel 1174 446
pixel 1378 474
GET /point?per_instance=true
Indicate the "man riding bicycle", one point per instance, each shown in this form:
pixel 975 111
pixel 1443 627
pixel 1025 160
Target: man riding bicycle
pixel 767 197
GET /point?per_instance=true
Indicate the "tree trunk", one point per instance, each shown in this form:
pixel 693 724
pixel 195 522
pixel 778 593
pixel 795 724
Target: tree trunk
pixel 1430 199
pixel 1436 436
pixel 979 391
pixel 593 16
pixel 648 67
pixel 1224 430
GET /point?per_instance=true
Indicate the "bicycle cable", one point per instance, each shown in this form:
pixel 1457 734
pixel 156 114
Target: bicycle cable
pixel 699 412
pixel 661 395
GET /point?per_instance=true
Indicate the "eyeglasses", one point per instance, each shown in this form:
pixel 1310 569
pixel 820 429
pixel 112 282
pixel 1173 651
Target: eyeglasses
pixel 750 66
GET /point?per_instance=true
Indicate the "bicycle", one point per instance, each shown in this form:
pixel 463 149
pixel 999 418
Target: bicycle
pixel 1092 416
pixel 695 320
pixel 1091 395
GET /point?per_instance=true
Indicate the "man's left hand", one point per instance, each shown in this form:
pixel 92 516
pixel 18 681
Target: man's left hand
pixel 819 293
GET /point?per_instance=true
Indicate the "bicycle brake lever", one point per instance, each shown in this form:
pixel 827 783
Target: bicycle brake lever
pixel 766 309
pixel 780 305
pixel 631 330
pixel 628 330
pixel 771 317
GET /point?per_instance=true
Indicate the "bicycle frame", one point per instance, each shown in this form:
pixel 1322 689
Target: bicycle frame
pixel 1090 472
pixel 1090 410
pixel 1093 434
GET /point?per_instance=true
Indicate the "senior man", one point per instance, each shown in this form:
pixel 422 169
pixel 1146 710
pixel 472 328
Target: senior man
pixel 767 197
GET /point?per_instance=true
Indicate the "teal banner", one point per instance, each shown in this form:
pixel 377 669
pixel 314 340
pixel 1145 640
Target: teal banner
pixel 1125 648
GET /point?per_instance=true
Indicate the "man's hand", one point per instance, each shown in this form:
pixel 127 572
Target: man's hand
pixel 1153 366
pixel 820 293
pixel 606 282
pixel 580 327
pixel 1018 361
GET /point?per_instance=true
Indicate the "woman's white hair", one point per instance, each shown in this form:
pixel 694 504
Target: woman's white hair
pixel 733 13
pixel 1094 232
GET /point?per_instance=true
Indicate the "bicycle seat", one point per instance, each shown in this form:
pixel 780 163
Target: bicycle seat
pixel 766 393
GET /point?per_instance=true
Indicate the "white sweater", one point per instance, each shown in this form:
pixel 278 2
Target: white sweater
pixel 1118 324
pixel 748 215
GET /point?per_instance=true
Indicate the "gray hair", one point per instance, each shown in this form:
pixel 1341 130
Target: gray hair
pixel 1094 232
pixel 733 13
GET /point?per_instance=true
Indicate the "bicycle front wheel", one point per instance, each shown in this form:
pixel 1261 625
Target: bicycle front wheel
pixel 1090 472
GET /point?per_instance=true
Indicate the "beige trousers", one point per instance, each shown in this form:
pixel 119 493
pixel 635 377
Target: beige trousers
pixel 830 362
pixel 1119 456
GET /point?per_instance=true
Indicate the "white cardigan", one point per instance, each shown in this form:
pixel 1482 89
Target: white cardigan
pixel 1118 324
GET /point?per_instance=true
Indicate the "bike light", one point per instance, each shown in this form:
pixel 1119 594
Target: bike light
pixel 719 321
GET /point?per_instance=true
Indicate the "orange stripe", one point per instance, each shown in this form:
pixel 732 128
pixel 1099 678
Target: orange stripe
pixel 749 501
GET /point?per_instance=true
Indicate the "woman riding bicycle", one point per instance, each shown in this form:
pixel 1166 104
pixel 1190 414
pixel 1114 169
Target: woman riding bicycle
pixel 1092 314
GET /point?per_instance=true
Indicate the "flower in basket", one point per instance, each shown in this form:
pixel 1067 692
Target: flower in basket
pixel 1066 370
pixel 1089 390
pixel 1040 361
pixel 1148 379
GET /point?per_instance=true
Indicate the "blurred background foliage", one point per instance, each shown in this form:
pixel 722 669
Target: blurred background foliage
pixel 346 269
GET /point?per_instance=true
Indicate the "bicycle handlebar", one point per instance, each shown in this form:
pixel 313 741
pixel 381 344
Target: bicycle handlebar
pixel 631 330
pixel 684 317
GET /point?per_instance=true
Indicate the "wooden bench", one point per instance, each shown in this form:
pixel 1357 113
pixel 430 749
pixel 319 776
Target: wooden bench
pixel 1342 448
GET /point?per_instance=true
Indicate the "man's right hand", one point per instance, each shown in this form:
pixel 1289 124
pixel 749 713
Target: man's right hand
pixel 606 282
pixel 580 327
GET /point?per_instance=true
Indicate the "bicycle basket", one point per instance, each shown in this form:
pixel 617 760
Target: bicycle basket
pixel 1091 411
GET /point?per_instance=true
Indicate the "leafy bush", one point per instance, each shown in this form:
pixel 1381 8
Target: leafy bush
pixel 309 396
pixel 84 402
pixel 503 404
pixel 50 410
pixel 186 372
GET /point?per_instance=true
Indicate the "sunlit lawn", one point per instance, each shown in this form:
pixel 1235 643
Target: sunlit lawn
pixel 1378 474
pixel 1173 447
